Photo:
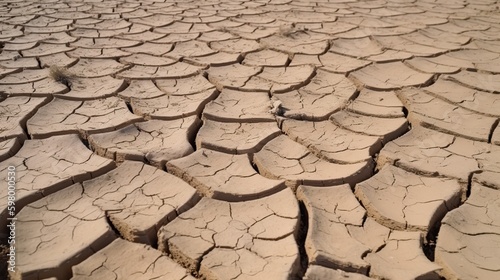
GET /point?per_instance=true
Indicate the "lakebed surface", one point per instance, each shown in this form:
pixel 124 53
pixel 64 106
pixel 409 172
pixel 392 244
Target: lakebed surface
pixel 267 139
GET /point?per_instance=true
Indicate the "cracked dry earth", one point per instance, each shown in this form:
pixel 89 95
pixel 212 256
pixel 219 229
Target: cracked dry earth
pixel 267 139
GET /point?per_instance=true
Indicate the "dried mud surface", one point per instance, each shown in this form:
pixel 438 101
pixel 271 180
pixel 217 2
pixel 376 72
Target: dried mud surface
pixel 267 139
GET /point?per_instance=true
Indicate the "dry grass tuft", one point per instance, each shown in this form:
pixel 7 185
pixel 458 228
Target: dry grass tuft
pixel 290 30
pixel 61 75
pixel 223 29
pixel 286 31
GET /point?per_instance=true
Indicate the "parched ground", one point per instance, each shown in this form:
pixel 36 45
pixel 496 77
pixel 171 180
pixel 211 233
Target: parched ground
pixel 267 139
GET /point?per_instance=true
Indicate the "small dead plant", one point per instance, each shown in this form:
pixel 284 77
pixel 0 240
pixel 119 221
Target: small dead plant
pixel 290 30
pixel 61 75
pixel 286 31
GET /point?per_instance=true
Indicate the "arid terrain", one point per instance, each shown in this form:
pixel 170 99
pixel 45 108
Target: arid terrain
pixel 237 140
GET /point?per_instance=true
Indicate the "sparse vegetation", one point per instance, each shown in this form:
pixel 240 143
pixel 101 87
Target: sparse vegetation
pixel 224 29
pixel 61 75
pixel 289 30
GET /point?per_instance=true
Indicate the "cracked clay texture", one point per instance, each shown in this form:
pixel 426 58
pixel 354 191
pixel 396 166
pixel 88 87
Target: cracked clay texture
pixel 238 140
